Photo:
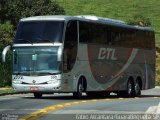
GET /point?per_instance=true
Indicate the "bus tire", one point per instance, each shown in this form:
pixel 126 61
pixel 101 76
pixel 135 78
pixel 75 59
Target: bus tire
pixel 80 89
pixel 130 89
pixel 37 95
pixel 129 92
pixel 137 88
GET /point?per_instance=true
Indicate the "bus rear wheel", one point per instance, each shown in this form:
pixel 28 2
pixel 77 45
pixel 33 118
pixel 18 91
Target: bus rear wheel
pixel 130 89
pixel 37 95
pixel 129 92
pixel 137 88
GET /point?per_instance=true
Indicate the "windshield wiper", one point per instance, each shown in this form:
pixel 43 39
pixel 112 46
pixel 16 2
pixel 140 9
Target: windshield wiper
pixel 22 72
pixel 45 40
pixel 24 40
pixel 17 73
pixel 48 40
pixel 49 73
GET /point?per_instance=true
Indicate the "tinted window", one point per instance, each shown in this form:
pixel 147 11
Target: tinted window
pixel 94 33
pixel 39 31
pixel 133 38
pixel 84 32
pixel 120 36
pixel 70 46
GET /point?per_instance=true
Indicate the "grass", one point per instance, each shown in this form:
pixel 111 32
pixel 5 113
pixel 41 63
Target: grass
pixel 5 90
pixel 158 65
pixel 127 10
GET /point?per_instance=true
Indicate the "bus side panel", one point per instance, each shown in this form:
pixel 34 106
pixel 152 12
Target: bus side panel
pixel 150 69
pixel 108 68
pixel 112 66
pixel 105 65
pixel 80 68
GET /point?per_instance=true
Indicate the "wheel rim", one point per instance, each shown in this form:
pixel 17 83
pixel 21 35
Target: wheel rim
pixel 137 88
pixel 80 88
pixel 129 88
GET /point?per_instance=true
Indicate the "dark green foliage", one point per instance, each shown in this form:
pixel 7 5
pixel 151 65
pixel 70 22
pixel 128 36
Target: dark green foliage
pixel 6 32
pixel 14 10
pixel 5 69
pixel 10 13
pixel 6 35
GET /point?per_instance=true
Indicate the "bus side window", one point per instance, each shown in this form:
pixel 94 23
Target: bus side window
pixel 109 37
pixel 70 46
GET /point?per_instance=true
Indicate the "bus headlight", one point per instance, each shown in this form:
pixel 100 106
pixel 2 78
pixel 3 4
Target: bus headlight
pixel 53 81
pixel 17 82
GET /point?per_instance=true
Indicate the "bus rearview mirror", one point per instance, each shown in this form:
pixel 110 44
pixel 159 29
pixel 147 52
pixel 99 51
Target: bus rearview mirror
pixel 4 52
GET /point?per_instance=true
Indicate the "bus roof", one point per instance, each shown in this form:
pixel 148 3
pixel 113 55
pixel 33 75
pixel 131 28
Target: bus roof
pixel 88 18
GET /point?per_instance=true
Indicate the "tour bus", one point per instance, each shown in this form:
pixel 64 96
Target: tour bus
pixel 82 54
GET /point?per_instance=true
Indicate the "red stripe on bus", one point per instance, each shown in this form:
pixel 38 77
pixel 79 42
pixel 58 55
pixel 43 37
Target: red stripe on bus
pixel 115 76
pixel 129 53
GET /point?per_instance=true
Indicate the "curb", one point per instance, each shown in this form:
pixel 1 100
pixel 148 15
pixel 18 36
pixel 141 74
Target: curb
pixel 14 93
pixel 3 94
pixel 157 86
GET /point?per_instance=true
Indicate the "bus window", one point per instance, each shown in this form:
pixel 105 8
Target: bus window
pixel 39 32
pixel 70 46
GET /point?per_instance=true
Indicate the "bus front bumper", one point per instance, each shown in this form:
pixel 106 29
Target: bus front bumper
pixel 46 88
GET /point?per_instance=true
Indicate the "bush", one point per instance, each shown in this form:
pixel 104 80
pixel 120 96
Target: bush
pixel 6 35
pixel 6 32
pixel 139 19
pixel 14 10
pixel 5 69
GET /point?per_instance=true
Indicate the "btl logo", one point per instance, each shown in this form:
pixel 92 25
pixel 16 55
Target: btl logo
pixel 107 53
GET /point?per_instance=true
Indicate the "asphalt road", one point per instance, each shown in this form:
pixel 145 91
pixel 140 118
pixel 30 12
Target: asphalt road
pixel 65 107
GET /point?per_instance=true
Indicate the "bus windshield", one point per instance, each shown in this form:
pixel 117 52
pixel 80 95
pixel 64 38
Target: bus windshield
pixel 39 32
pixel 36 61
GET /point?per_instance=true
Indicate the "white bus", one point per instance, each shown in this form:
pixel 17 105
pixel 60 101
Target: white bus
pixel 82 54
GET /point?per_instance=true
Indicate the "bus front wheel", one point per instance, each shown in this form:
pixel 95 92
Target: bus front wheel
pixel 80 89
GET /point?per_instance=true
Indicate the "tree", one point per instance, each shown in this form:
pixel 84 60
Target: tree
pixel 10 13
pixel 14 10
pixel 6 32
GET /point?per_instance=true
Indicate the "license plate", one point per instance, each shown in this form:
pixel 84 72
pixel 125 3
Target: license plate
pixel 34 88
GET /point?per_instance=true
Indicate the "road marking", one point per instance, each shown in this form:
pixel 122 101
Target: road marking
pixel 44 111
pixel 153 109
pixel 75 111
pixel 155 97
pixel 158 109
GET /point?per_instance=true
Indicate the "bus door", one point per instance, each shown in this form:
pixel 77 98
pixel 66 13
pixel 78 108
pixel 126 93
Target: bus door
pixel 70 48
